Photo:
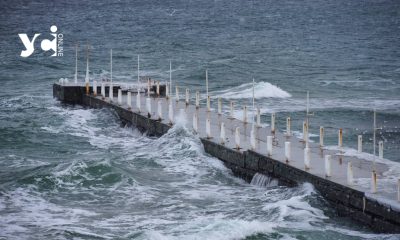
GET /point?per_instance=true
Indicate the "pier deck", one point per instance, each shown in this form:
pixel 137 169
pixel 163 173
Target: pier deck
pixel 380 211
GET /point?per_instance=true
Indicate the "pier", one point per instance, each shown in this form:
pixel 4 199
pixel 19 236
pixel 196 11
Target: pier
pixel 248 148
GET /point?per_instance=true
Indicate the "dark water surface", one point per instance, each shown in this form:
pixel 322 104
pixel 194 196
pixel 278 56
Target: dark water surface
pixel 68 172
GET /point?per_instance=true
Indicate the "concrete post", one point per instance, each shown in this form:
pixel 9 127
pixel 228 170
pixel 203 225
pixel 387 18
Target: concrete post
pixel 95 88
pixel 359 144
pixel 321 136
pixel 138 104
pixel 187 97
pixel 129 100
pixel 288 123
pixel 158 88
pixel 219 106
pixel 287 151
pixel 208 103
pixel 159 110
pixel 307 158
pixel 177 93
pixel 245 114
pixel 269 145
pixel 340 138
pixel 381 149
pixel 304 131
pixel 167 94
pixel 398 190
pixel 197 99
pixel 373 182
pixel 111 93
pixel 148 87
pixel 148 106
pixel 103 90
pixel 328 165
pixel 195 122
pixel 120 96
pixel 237 138
pixel 350 178
pixel 208 127
pixel 253 143
pixel 273 122
pixel 258 118
pixel 231 115
pixel 222 134
pixel 171 113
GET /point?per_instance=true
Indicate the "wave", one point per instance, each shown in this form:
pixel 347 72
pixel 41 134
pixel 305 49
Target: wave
pixel 261 90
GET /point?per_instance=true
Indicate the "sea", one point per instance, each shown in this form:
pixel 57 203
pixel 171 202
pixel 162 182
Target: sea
pixel 69 172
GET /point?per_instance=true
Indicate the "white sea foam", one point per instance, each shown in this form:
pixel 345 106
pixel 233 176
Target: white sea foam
pixel 261 90
pixel 33 210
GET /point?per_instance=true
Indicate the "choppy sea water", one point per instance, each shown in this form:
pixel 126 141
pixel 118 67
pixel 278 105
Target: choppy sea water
pixel 70 172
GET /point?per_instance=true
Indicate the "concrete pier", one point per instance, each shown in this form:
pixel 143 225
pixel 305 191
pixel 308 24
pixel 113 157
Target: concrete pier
pixel 380 211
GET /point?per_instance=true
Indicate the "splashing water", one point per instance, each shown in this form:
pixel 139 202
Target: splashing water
pixel 261 90
pixel 262 180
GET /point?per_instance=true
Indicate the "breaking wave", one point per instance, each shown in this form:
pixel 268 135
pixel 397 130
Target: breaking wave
pixel 261 90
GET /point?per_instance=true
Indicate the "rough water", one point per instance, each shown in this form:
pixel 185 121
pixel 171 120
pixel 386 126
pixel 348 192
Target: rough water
pixel 69 172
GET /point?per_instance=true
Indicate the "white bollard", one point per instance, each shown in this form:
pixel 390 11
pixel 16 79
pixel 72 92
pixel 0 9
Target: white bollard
pixel 258 118
pixel 288 123
pixel 170 113
pixel 237 138
pixel 148 106
pixel 208 127
pixel 195 122
pixel 321 136
pixel 269 145
pixel 148 87
pixel 95 88
pixel 208 103
pixel 231 115
pixel 219 106
pixel 350 178
pixel 359 144
pixel 138 105
pixel 129 100
pixel 245 114
pixel 159 110
pixel 222 134
pixel 158 88
pixel 197 99
pixel 381 149
pixel 304 131
pixel 253 142
pixel 111 93
pixel 120 96
pixel 167 95
pixel 103 90
pixel 177 93
pixel 398 190
pixel 328 165
pixel 273 122
pixel 187 96
pixel 307 158
pixel 373 182
pixel 287 151
pixel 340 138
